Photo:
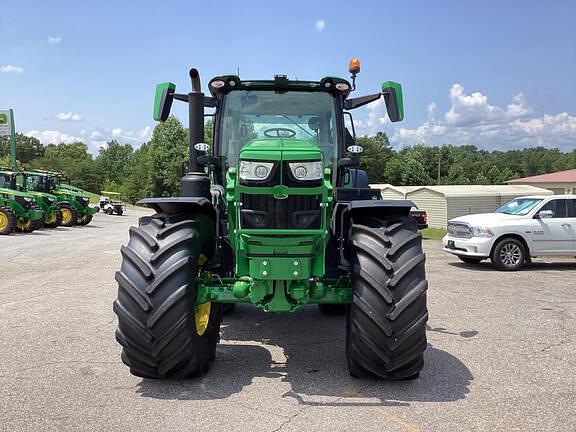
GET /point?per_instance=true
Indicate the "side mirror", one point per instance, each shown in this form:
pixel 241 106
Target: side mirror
pixel 545 214
pixel 163 100
pixel 392 93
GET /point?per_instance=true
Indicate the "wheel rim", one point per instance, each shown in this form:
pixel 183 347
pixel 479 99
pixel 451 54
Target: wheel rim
pixel 50 219
pixel 3 221
pixel 66 215
pixel 202 316
pixel 510 254
pixel 202 311
pixel 24 225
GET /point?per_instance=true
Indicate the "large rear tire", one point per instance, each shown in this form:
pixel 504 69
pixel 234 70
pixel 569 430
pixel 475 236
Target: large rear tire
pixel 386 322
pixel 162 333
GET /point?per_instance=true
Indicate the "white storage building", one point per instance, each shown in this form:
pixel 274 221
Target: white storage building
pixel 394 192
pixel 443 203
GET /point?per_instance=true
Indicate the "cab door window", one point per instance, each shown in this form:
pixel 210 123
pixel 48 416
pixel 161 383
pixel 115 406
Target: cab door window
pixel 558 207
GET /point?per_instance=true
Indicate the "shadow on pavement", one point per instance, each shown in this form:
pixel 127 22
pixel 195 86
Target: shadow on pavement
pixel 313 363
pixel 533 266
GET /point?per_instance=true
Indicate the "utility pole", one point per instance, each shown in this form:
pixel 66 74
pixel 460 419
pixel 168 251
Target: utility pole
pixel 439 160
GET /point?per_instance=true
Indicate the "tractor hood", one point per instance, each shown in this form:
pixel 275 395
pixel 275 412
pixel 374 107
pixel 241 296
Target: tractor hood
pixel 16 193
pixel 280 149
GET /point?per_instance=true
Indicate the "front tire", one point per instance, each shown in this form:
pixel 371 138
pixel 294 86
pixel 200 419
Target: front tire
pixel 69 215
pixel 509 254
pixel 54 221
pixel 85 220
pixel 162 333
pixel 7 221
pixel 386 322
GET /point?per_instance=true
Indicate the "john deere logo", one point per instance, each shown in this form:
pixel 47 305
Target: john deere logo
pixel 3 118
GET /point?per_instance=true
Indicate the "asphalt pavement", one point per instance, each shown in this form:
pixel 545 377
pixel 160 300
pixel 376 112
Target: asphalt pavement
pixel 501 355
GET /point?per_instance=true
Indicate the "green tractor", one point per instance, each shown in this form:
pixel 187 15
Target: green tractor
pixel 74 203
pixel 276 214
pixel 48 203
pixel 18 211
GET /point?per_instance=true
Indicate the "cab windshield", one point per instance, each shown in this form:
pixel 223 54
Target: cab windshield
pixel 518 206
pixel 257 114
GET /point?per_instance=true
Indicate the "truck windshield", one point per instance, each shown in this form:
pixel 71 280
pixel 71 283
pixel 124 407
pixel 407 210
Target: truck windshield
pixel 254 114
pixel 518 206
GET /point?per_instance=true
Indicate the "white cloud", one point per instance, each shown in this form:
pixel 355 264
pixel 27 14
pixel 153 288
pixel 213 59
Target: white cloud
pixel 54 40
pixel 11 69
pixel 320 24
pixel 94 139
pixel 471 119
pixel 52 137
pixel 68 116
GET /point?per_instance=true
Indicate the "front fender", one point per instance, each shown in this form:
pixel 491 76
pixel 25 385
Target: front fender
pixel 179 205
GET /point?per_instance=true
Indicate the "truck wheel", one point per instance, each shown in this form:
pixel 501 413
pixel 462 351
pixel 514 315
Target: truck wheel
pixel 85 220
pixel 386 322
pixel 509 254
pixel 120 212
pixel 53 221
pixel 332 309
pixel 7 221
pixel 469 260
pixel 162 333
pixel 69 215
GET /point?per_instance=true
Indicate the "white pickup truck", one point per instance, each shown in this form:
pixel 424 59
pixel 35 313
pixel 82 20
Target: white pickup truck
pixel 514 233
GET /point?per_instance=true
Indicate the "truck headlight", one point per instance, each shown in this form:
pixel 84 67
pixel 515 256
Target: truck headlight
pixel 305 171
pixel 255 170
pixel 482 232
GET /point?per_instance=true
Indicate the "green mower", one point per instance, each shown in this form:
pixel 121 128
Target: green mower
pixel 276 214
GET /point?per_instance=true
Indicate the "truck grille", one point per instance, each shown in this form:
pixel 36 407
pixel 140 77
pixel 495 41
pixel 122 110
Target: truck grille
pixel 459 230
pixel 267 212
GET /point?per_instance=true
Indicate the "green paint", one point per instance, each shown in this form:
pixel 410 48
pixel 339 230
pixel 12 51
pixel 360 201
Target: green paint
pixel 162 100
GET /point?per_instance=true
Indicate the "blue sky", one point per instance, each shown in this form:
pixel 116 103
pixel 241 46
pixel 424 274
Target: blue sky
pixel 494 74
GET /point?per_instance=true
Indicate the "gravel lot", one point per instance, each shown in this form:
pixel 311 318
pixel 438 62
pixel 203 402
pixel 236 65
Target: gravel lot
pixel 501 354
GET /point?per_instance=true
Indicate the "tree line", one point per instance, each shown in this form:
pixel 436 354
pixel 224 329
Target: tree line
pixel 155 168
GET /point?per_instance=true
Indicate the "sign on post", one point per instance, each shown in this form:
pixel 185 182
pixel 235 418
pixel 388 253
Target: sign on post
pixel 5 123
pixel 7 129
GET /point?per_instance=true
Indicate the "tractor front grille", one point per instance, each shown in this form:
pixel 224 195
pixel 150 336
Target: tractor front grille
pixel 293 212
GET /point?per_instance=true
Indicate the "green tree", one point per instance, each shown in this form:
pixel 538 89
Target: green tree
pixel 27 148
pixel 166 151
pixel 112 161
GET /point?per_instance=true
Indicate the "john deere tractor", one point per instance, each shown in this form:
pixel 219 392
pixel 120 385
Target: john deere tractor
pixel 74 203
pixel 18 211
pixel 48 203
pixel 276 214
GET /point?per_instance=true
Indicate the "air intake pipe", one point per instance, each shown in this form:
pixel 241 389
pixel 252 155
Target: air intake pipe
pixel 195 183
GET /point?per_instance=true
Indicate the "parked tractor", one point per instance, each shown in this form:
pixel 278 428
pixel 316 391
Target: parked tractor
pixel 74 203
pixel 48 203
pixel 276 214
pixel 18 211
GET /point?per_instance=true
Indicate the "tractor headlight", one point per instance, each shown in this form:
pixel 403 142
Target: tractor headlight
pixel 255 170
pixel 482 232
pixel 305 171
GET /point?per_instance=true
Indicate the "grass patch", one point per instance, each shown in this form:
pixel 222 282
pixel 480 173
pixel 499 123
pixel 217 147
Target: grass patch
pixel 433 233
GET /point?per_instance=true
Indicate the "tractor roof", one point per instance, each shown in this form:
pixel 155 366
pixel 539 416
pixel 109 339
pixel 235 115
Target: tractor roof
pixel 225 83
